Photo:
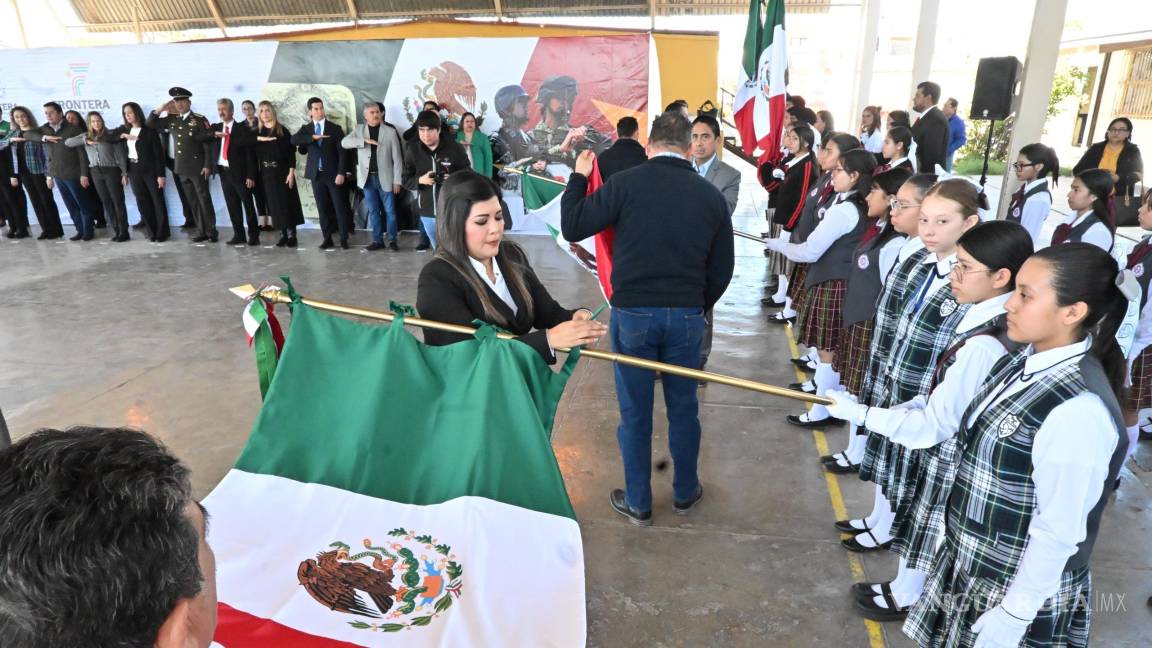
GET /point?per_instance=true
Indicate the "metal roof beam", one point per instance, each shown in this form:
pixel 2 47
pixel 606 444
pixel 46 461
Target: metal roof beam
pixel 218 17
pixel 353 12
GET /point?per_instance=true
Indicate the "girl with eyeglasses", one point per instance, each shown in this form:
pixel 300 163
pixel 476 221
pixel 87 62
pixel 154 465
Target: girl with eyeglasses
pixel 917 323
pixel 1091 199
pixel 1038 446
pixel 988 256
pixel 1036 165
pixel 1117 155
pixel 828 251
pixel 895 204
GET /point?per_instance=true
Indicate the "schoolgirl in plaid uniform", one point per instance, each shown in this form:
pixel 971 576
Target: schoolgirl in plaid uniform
pixel 828 251
pixel 923 330
pixel 1094 221
pixel 897 220
pixel 1039 446
pixel 988 258
pixel 1032 202
pixel 1138 397
pixel 788 183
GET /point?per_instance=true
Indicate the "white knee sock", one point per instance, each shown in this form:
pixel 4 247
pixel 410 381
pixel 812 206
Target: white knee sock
pixel 911 585
pixel 826 378
pixel 879 508
pixel 788 311
pixel 1133 439
pixel 781 289
pixel 856 445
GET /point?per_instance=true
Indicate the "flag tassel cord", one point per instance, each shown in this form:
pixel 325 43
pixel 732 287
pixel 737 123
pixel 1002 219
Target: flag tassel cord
pixel 275 295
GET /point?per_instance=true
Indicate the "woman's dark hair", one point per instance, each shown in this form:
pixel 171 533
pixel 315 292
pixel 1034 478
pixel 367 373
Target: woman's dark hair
pixel 806 115
pixel 79 118
pixel 806 136
pixel 797 100
pixel 874 122
pixel 459 192
pixel 923 182
pixel 433 104
pixel 136 111
pixel 1127 122
pixel 899 117
pixel 1082 272
pixel 891 180
pixel 466 115
pixel 1099 184
pixel 901 135
pixel 1043 154
pixel 829 123
pixel 970 197
pixel 27 114
pixel 999 244
pixel 248 102
pixel 863 163
pixel 844 142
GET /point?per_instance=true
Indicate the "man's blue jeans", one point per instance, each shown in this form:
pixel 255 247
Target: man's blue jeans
pixel 79 208
pixel 428 224
pixel 377 199
pixel 670 335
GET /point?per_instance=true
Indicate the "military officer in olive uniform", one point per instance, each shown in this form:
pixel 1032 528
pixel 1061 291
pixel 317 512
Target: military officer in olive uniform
pixel 191 138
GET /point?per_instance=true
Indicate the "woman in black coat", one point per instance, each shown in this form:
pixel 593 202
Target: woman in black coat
pixel 146 169
pixel 1116 154
pixel 276 158
pixel 477 275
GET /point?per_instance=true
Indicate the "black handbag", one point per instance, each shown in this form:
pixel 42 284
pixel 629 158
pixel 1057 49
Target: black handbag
pixel 1126 207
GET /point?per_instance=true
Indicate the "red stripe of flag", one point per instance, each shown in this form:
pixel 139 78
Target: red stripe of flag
pixel 237 629
pixel 604 240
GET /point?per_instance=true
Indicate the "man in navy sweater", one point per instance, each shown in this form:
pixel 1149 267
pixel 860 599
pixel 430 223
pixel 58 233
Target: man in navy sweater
pixel 672 260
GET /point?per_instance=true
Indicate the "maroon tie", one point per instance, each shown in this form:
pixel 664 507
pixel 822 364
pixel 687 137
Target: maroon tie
pixel 1061 234
pixel 1139 252
pixel 882 168
pixel 870 233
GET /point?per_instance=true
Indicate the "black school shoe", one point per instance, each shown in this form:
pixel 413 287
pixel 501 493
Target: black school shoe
pixel 682 508
pixel 845 526
pixel 855 547
pixel 822 423
pixel 616 500
pixel 888 612
pixel 867 590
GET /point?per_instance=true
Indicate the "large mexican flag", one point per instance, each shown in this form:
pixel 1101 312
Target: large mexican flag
pixel 758 107
pixel 393 493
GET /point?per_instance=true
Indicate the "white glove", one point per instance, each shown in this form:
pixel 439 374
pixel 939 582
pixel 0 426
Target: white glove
pixel 998 629
pixel 845 407
pixel 778 174
pixel 773 244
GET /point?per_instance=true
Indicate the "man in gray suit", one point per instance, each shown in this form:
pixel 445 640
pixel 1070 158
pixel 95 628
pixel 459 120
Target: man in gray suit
pixel 705 142
pixel 379 166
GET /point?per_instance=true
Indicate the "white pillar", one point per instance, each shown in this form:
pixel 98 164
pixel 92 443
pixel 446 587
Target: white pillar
pixel 1035 87
pixel 925 44
pixel 865 61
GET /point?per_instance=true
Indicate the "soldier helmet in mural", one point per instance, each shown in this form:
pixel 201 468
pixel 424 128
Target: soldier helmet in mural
pixel 179 93
pixel 507 98
pixel 561 87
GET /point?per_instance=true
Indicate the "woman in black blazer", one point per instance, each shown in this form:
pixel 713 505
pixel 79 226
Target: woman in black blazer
pixel 1129 167
pixel 145 170
pixel 477 275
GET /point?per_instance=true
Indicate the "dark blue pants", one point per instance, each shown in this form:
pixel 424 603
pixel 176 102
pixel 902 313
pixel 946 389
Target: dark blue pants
pixel 79 208
pixel 378 199
pixel 671 335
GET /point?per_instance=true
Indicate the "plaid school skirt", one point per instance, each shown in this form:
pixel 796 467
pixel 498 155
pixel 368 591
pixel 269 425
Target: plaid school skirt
pixel 920 532
pixel 852 356
pixel 778 264
pixel 894 469
pixel 796 290
pixel 821 321
pixel 1139 395
pixel 953 600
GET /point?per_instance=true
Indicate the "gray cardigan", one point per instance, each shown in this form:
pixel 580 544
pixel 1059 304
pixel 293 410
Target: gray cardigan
pixel 102 154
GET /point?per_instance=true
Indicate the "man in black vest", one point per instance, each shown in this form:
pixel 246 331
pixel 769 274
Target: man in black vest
pixel 930 131
pixel 672 260
pixel 328 169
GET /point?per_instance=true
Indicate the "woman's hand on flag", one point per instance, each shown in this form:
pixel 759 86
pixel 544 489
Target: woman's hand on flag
pixel 575 332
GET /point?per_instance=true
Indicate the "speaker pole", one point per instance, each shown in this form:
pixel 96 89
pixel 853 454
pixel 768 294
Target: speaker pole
pixel 987 153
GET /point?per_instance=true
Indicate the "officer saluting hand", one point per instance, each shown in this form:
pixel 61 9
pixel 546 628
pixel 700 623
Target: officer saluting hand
pixel 189 141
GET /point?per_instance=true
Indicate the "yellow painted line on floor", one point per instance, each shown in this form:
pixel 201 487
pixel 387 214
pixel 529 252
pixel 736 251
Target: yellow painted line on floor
pixel 875 634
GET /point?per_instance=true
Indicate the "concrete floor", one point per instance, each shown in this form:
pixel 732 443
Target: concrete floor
pixel 147 335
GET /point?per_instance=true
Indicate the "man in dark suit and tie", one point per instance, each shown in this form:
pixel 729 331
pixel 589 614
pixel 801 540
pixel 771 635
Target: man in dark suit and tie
pixel 930 131
pixel 328 169
pixel 191 135
pixel 626 153
pixel 234 161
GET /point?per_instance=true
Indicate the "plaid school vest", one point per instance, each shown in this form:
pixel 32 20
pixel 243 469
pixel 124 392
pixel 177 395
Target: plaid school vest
pixel 920 338
pixel 888 308
pixel 993 498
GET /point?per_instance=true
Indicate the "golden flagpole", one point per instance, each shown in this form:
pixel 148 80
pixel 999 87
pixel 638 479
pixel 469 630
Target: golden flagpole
pixel 750 237
pixel 278 296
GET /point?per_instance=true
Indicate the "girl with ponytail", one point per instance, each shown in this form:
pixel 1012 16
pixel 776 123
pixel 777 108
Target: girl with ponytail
pixel 1091 199
pixel 1035 167
pixel 988 256
pixel 1039 445
pixel 828 251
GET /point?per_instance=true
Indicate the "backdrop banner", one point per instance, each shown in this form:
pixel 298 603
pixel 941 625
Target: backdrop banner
pixel 539 101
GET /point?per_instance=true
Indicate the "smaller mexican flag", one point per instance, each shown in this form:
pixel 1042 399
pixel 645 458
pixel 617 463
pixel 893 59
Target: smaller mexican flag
pixel 396 494
pixel 758 107
pixel 542 199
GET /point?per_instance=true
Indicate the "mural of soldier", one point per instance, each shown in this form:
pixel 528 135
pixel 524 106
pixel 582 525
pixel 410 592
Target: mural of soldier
pixel 557 141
